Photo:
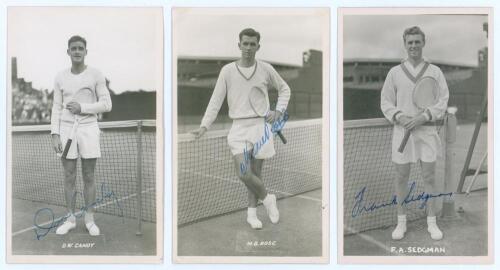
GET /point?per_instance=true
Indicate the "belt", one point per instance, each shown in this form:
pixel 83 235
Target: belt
pixel 250 117
pixel 438 122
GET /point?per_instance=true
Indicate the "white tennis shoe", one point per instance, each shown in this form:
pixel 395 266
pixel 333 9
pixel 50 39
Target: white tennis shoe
pixel 271 207
pixel 66 227
pixel 92 228
pixel 252 219
pixel 433 228
pixel 399 232
pixel 90 224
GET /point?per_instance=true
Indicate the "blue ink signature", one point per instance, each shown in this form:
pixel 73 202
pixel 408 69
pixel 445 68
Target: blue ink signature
pixel 42 230
pixel 275 128
pixel 424 197
pixel 361 206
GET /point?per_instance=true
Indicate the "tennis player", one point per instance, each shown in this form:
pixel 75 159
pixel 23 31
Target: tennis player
pixel 248 129
pixel 86 143
pixel 424 144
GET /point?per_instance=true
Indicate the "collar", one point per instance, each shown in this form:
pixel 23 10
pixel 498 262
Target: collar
pixel 243 75
pixel 410 76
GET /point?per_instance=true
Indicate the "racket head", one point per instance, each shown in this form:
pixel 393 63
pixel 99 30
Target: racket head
pixel 258 101
pixel 425 93
pixel 84 96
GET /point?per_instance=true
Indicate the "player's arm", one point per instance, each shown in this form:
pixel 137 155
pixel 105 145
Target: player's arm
pixel 55 119
pixel 417 121
pixel 213 107
pixel 388 99
pixel 199 132
pixel 103 97
pixel 284 94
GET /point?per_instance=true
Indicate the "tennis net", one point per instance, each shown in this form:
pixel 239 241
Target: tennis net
pixel 125 174
pixel 368 166
pixel 207 184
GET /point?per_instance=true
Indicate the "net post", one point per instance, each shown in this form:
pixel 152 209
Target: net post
pixel 450 125
pixel 139 178
pixel 472 145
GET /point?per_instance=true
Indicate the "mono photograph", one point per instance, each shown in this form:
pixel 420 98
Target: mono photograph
pixel 250 110
pixel 85 135
pixel 415 138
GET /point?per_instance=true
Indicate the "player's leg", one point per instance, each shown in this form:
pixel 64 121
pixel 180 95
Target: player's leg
pixel 89 193
pixel 270 203
pixel 242 164
pixel 252 218
pixel 89 187
pixel 256 165
pixel 69 167
pixel 401 186
pixel 245 174
pixel 429 177
pixel 244 171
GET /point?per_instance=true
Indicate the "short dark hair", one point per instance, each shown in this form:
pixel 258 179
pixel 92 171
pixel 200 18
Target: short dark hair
pixel 250 32
pixel 415 30
pixel 77 38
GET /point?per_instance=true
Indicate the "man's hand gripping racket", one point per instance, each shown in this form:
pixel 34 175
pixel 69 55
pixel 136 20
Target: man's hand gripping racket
pixel 82 96
pixel 260 105
pixel 425 95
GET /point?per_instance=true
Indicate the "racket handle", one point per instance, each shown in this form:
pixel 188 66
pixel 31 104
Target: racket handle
pixel 66 148
pixel 283 139
pixel 404 141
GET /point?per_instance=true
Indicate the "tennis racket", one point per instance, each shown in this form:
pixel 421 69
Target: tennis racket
pixel 82 96
pixel 260 105
pixel 425 94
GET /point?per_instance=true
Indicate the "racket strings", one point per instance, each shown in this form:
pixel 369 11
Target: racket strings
pixel 425 93
pixel 258 101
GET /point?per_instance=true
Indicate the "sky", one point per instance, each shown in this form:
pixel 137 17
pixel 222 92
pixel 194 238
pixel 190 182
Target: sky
pixel 285 33
pixel 451 38
pixel 124 43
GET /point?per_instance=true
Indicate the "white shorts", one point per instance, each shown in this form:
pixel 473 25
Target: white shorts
pixel 252 135
pixel 423 144
pixel 86 143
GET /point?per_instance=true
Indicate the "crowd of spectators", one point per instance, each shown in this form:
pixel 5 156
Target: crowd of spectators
pixel 31 106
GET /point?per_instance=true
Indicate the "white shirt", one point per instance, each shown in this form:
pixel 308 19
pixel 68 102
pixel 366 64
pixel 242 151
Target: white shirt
pixel 66 84
pixel 396 95
pixel 248 71
pixel 233 84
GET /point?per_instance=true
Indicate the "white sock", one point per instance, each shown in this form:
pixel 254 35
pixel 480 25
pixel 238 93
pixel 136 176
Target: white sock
pixel 399 231
pixel 433 228
pixel 268 199
pixel 71 218
pixel 90 224
pixel 89 217
pixel 252 212
pixel 252 218
pixel 67 226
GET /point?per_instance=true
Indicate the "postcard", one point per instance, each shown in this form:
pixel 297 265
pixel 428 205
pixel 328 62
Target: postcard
pixel 85 135
pixel 415 135
pixel 250 117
